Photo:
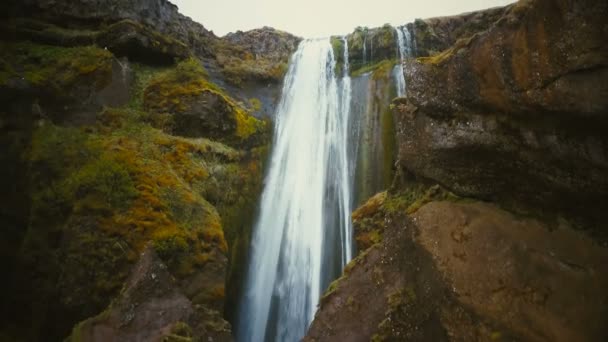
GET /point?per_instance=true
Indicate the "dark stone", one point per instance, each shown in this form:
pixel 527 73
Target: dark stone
pixel 517 113
pixel 152 308
pixel 139 43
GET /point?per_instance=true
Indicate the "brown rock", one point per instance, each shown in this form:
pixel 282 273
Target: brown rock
pixel 517 113
pixel 469 272
pixel 151 308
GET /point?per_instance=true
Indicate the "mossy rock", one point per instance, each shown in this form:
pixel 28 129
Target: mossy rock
pixel 140 43
pixel 127 38
pixel 199 108
pixel 63 73
pixel 380 44
pixel 368 219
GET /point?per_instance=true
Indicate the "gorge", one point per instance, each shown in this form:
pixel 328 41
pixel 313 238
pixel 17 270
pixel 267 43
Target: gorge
pixel 438 180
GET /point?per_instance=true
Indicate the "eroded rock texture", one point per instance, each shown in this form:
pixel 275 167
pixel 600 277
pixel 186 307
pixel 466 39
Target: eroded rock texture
pixel 517 113
pixel 465 271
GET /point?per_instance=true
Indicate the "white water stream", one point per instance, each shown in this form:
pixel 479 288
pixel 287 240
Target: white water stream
pixel 303 236
pixel 404 45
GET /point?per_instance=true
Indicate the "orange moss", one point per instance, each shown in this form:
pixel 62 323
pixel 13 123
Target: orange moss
pixel 218 292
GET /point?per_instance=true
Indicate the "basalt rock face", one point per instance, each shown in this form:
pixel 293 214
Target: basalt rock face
pixel 517 113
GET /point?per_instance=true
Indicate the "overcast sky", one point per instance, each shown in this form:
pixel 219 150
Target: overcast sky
pixel 319 18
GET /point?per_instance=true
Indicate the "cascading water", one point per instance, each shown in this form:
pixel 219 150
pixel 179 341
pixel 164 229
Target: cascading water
pixel 404 45
pixel 365 48
pixel 303 234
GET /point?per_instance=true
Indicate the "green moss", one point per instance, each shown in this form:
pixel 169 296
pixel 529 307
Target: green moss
pixel 434 193
pixel 142 76
pixel 441 57
pixel 56 68
pixel 168 92
pixel 171 247
pixel 338 47
pixel 381 66
pixel 105 179
pixel 240 65
pixel 185 79
pixel 101 193
pixel 369 219
pixel 256 104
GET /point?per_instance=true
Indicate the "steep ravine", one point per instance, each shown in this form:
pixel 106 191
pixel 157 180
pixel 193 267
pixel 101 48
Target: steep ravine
pixel 135 143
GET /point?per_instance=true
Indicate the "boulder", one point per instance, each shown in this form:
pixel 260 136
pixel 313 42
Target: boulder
pixel 467 271
pixel 152 308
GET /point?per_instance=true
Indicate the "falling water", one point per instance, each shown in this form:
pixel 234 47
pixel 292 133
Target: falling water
pixel 304 226
pixel 404 46
pixel 364 48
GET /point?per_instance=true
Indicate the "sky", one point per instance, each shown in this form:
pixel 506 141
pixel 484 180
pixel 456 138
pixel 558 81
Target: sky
pixel 320 18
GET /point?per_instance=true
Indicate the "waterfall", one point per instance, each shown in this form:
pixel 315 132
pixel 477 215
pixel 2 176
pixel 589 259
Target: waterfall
pixel 404 47
pixel 364 47
pixel 347 166
pixel 303 235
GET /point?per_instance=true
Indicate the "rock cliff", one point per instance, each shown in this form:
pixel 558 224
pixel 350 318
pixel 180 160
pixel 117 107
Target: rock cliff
pixel 516 113
pixel 494 226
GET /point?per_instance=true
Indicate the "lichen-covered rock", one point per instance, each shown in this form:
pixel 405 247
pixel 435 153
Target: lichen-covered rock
pixel 468 271
pixel 516 113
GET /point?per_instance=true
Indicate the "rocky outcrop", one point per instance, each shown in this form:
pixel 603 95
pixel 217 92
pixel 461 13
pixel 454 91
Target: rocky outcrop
pixel 152 308
pixel 126 38
pixel 434 35
pixel 516 113
pixel 161 15
pixel 267 43
pixel 259 56
pixel 466 271
pixel 199 108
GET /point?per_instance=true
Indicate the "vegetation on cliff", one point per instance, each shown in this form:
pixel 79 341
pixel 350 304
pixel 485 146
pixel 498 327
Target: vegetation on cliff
pixel 102 191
